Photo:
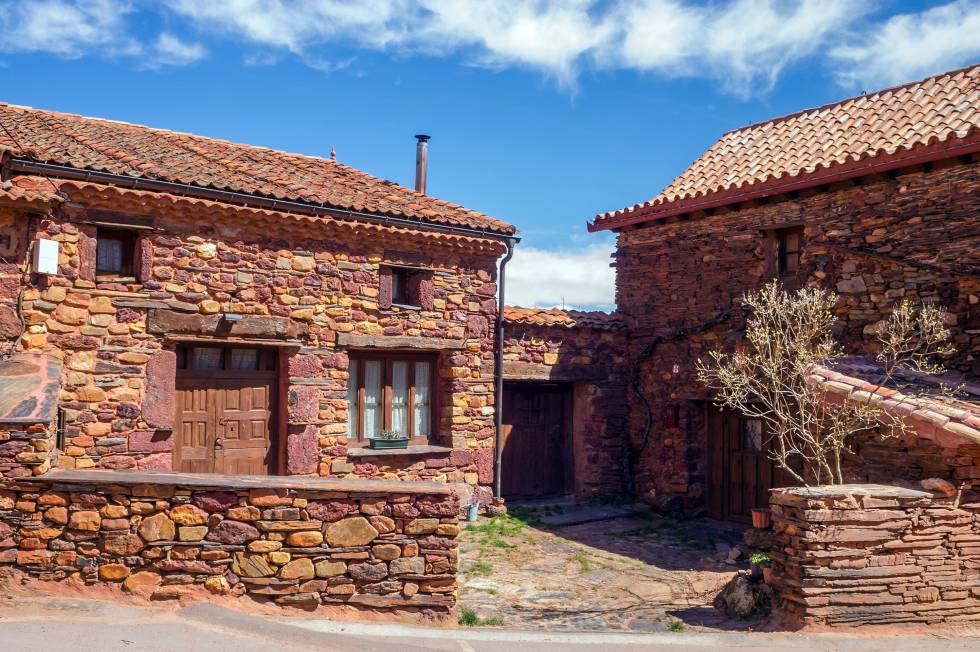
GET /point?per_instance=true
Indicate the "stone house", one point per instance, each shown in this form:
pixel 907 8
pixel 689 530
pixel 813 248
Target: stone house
pixel 211 307
pixel 875 197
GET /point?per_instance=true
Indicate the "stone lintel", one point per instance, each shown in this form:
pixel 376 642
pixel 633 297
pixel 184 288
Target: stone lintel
pixel 517 370
pixel 173 323
pixel 355 341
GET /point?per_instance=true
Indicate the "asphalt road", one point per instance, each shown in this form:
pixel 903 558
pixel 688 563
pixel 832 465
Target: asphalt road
pixel 75 625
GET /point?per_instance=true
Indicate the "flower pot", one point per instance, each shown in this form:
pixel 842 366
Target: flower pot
pixel 387 444
pixel 761 519
pixel 767 574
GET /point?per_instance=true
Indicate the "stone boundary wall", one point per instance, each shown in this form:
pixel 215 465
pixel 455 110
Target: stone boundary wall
pixel 305 542
pixel 872 554
pixel 27 449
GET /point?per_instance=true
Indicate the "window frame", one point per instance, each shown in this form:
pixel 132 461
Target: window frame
pixel 400 288
pixel 783 253
pixel 358 439
pixel 130 241
pixel 267 360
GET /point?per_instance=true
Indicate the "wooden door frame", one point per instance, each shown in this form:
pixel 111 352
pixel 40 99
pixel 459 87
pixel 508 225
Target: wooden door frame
pixel 567 410
pixel 278 419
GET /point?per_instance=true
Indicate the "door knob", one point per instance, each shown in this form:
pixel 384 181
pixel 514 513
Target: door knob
pixel 219 443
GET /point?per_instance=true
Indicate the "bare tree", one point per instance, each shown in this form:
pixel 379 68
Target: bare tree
pixel 770 376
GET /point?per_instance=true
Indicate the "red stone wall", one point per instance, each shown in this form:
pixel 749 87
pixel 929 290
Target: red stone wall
pixel 868 554
pixel 294 278
pixel 377 547
pixel 912 456
pixel 593 360
pixel 913 235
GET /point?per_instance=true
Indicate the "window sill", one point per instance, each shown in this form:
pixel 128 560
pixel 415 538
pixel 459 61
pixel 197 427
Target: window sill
pixel 405 306
pixel 421 449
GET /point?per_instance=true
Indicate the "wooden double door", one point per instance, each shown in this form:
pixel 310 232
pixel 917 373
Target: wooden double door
pixel 740 471
pixel 226 411
pixel 536 439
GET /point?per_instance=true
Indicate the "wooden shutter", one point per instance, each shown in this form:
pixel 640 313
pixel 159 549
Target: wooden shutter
pixel 144 259
pixel 422 288
pixel 384 291
pixel 87 253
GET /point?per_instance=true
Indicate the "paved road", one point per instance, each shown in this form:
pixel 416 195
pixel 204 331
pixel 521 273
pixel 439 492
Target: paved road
pixel 74 625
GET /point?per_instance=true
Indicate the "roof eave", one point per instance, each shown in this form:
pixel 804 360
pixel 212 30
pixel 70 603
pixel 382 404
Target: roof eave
pixel 31 166
pixel 928 153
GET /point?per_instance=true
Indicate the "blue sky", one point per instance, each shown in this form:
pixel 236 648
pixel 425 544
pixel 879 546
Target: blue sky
pixel 542 112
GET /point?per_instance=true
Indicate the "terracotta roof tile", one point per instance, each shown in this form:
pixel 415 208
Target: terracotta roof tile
pixel 139 151
pixel 938 112
pixel 914 394
pixel 595 320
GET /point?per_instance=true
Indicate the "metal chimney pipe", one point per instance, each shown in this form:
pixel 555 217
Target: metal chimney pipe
pixel 421 161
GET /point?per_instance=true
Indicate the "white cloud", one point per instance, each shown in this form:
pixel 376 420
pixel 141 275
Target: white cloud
pixel 911 46
pixel 64 28
pixel 745 44
pixel 170 50
pixel 574 279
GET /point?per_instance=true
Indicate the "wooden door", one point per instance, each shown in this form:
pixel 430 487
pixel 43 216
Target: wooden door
pixel 225 420
pixel 535 439
pixel 740 472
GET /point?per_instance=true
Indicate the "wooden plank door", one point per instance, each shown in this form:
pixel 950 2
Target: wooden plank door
pixel 244 429
pixel 226 409
pixel 740 472
pixel 536 447
pixel 197 407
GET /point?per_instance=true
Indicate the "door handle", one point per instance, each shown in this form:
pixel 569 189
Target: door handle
pixel 219 443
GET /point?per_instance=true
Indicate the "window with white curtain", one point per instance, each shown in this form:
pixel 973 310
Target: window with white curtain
pixel 389 393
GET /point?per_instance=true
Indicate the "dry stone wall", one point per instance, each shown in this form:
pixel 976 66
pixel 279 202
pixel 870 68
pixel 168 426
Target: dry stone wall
pixel 909 235
pixel 872 554
pixel 377 545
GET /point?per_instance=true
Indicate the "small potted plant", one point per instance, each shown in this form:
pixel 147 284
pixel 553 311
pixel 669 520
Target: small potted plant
pixel 759 564
pixel 389 439
pixel 761 518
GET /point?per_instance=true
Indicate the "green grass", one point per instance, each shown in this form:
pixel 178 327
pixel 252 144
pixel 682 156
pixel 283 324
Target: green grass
pixel 479 568
pixel 676 626
pixel 468 618
pixel 583 561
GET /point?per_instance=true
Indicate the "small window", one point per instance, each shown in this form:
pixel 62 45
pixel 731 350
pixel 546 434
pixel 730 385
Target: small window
pixel 790 247
pixel 389 393
pixel 114 252
pixel 751 435
pixel 406 287
pixel 226 359
pixel 399 287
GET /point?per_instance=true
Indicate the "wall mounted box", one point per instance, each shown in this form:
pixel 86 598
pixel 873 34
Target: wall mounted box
pixel 45 257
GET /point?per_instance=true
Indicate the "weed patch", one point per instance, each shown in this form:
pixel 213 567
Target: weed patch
pixel 469 618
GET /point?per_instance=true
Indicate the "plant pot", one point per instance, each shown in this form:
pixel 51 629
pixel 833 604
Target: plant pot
pixel 761 519
pixel 387 444
pixel 767 574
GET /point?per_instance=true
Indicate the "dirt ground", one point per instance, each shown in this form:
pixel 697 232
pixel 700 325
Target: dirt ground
pixel 640 573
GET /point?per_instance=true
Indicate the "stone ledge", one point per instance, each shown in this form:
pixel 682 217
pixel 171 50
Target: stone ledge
pixel 842 490
pixel 229 481
pixel 396 452
pixel 354 341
